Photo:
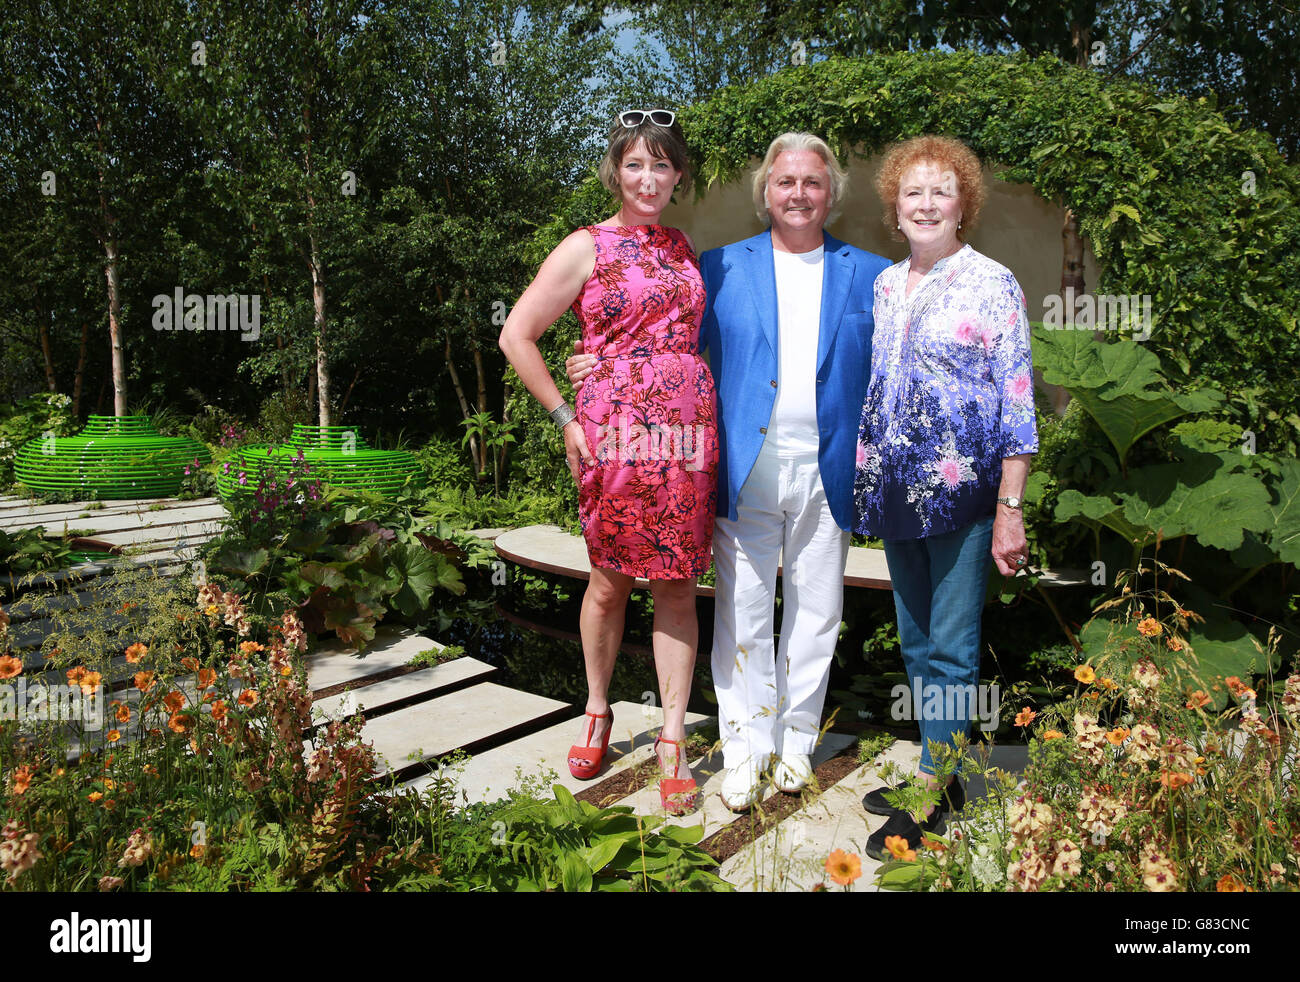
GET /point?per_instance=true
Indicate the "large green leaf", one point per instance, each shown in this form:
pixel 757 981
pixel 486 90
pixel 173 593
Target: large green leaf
pixel 575 873
pixel 1097 510
pixel 1285 512
pixel 1113 383
pixel 240 561
pixel 600 852
pixel 1198 498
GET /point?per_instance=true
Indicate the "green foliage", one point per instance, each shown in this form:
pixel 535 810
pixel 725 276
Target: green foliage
pixel 346 561
pixel 29 550
pixel 570 845
pixel 30 419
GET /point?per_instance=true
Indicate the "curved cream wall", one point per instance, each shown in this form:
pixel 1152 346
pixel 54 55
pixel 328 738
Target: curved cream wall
pixel 1018 228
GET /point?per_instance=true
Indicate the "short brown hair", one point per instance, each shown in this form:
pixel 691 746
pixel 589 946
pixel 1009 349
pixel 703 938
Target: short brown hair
pixel 662 141
pixel 946 153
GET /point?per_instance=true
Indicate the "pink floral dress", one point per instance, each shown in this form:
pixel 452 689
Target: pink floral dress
pixel 648 409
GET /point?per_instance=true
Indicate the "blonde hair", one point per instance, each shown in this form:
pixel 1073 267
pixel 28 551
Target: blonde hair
pixel 838 178
pixel 944 152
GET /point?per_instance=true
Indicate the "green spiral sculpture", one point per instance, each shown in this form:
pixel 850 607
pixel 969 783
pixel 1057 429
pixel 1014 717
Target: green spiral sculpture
pixel 336 455
pixel 112 457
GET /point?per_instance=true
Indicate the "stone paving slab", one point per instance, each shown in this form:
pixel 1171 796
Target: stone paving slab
pixel 119 521
pixel 424 683
pixel 162 535
pixel 489 775
pixel 10 504
pixel 333 663
pixel 792 856
pixel 447 723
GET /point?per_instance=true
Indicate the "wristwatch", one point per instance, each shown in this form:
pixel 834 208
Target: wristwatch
pixel 1017 503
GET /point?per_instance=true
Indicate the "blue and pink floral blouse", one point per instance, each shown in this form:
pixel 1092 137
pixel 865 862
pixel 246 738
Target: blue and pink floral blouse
pixel 951 394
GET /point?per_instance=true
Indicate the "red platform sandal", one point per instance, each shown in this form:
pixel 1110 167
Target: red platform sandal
pixel 677 795
pixel 589 759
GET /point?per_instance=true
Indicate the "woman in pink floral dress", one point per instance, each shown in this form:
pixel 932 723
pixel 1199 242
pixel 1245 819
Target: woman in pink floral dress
pixel 642 441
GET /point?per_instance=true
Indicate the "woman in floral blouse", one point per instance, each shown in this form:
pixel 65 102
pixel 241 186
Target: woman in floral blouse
pixel 944 444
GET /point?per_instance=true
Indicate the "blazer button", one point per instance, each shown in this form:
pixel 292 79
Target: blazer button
pixel 774 383
pixel 763 430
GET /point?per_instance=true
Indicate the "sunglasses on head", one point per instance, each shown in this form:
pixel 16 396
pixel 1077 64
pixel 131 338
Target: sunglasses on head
pixel 635 117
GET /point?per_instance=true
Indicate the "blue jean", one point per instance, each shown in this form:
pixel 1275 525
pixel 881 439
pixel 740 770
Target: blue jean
pixel 939 584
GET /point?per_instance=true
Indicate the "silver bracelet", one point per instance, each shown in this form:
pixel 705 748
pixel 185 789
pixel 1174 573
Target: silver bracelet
pixel 562 415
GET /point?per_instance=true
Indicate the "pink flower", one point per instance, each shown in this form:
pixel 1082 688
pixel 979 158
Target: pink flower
pixel 1021 386
pixel 862 454
pixel 950 471
pixel 963 332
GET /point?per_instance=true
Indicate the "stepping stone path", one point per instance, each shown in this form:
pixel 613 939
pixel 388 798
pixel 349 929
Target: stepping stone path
pixel 417 714
pixel 426 713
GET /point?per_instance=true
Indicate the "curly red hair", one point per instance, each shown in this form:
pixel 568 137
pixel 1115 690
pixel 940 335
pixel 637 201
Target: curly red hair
pixel 947 153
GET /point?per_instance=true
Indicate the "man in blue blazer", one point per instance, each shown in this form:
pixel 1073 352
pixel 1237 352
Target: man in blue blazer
pixel 787 330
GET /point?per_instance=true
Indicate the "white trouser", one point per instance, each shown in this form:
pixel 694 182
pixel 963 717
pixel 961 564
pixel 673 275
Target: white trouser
pixel 771 702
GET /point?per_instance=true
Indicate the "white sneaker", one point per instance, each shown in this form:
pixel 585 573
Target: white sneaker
pixel 793 772
pixel 742 785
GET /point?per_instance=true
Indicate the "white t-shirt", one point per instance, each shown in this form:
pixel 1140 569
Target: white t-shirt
pixel 793 426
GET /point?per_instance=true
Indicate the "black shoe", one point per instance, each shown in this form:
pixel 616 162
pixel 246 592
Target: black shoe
pixel 900 823
pixel 875 803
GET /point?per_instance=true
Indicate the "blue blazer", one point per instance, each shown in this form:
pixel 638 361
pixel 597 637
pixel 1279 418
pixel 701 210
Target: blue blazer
pixel 740 335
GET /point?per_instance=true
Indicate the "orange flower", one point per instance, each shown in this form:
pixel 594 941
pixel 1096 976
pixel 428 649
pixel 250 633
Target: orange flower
pixel 197 850
pixel 207 678
pixel 1117 736
pixel 249 647
pixel 22 780
pixel 95 795
pixel 190 663
pixel 247 698
pixel 143 680
pixel 844 867
pixel 1198 700
pixel 90 681
pixel 1149 627
pixel 136 652
pixel 1229 884
pixel 123 713
pixel 1173 780
pixel 934 845
pixel 178 723
pixel 1108 683
pixel 1239 688
pixel 1085 674
pixel 1025 717
pixel 10 666
pixel 112 736
pixel 219 710
pixel 173 701
pixel 75 675
pixel 1051 735
pixel 897 846
pixel 1173 643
